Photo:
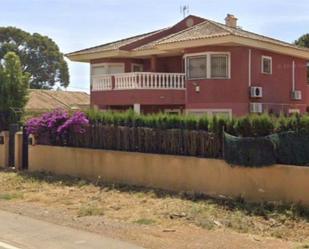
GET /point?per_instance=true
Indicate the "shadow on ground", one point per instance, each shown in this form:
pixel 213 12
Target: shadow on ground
pixel 263 209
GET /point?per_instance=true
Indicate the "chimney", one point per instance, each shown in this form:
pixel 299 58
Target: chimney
pixel 231 21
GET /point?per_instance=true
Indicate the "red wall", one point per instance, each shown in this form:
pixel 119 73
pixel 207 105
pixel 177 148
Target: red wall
pixel 143 97
pixel 173 64
pixel 234 93
pixel 277 87
pixel 219 93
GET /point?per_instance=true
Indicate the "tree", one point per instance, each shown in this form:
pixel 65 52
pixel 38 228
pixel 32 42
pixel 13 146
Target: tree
pixel 303 41
pixel 39 56
pixel 13 90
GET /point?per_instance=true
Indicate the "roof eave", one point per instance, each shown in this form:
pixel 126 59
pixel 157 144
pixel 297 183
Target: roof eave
pixel 87 57
pixel 236 40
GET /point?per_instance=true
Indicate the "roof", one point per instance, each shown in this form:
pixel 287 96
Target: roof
pixel 210 29
pixel 202 33
pixel 116 44
pixel 202 30
pixel 43 100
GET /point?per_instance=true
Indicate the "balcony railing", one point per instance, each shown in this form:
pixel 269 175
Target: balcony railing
pixel 139 80
pixel 102 82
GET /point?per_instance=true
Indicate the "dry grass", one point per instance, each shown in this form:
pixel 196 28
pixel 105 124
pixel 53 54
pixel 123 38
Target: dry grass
pixel 154 207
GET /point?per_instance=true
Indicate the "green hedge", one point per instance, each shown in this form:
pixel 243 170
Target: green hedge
pixel 247 126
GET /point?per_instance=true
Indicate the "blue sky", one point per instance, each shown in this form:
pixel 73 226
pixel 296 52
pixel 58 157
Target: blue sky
pixel 78 24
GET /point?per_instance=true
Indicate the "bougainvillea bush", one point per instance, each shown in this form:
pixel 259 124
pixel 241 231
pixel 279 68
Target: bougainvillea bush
pixel 53 127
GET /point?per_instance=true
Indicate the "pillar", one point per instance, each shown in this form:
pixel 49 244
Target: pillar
pixel 4 149
pixel 153 63
pixel 18 150
pixel 137 108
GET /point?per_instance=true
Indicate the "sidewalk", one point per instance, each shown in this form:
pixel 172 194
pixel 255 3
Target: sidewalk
pixel 26 233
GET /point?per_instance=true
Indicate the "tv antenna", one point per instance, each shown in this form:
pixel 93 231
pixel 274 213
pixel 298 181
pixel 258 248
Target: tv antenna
pixel 184 10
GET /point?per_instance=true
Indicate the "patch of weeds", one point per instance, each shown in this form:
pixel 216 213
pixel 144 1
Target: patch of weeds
pixel 277 234
pixel 205 223
pixel 306 246
pixel 10 196
pixel 238 223
pixel 144 221
pixel 90 211
pixel 82 183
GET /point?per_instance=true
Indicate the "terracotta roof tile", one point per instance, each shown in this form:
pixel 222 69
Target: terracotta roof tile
pixel 203 30
pixel 42 100
pixel 114 45
pixel 210 29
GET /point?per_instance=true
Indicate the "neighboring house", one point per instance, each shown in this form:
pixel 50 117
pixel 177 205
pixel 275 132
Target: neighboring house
pixel 47 100
pixel 199 66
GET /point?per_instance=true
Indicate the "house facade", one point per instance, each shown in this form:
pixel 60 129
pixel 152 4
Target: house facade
pixel 199 66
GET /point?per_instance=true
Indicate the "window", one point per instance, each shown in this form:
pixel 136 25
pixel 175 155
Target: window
pixel 222 113
pixel 107 68
pixel 172 111
pixel 197 67
pixel 266 65
pixel 219 67
pixel 137 67
pixel 293 111
pixel 210 65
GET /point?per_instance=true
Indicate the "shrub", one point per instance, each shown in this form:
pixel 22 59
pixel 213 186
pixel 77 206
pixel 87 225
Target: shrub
pixel 261 125
pixel 243 127
pixel 51 126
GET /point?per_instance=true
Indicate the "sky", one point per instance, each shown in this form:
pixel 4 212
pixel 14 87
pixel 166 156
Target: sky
pixel 78 24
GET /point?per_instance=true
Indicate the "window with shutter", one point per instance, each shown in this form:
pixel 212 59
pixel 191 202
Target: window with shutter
pixel 266 65
pixel 197 68
pixel 219 66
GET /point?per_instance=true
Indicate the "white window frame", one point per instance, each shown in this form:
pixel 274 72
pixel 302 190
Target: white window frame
pixel 106 64
pixel 138 65
pixel 100 65
pixel 294 110
pixel 209 111
pixel 262 64
pixel 178 111
pixel 187 66
pixel 208 64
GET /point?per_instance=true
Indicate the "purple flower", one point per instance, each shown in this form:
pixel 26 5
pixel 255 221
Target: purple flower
pixel 57 124
pixel 75 123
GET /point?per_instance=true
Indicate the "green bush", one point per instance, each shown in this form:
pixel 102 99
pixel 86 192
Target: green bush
pixel 247 126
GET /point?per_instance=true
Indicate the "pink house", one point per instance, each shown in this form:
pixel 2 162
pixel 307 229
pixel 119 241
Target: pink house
pixel 199 66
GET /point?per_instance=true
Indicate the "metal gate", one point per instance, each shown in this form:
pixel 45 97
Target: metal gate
pixel 25 149
pixel 13 128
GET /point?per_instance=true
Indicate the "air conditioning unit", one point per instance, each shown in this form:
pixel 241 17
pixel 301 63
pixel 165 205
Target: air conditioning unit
pixel 256 107
pixel 296 95
pixel 256 92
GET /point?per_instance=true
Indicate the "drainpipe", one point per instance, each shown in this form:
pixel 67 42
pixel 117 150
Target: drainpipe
pixel 249 68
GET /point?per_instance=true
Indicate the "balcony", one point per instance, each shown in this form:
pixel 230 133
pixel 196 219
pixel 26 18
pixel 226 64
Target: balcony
pixel 160 90
pixel 139 80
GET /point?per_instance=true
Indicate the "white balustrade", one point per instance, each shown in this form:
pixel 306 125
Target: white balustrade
pixel 145 80
pixel 139 80
pixel 101 82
